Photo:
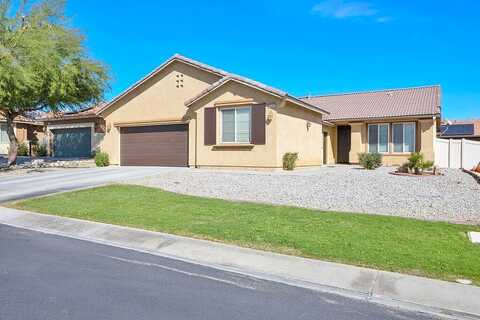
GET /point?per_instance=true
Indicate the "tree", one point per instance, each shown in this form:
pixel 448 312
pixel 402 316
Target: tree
pixel 43 64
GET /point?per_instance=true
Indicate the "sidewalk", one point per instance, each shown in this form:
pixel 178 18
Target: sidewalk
pixel 433 296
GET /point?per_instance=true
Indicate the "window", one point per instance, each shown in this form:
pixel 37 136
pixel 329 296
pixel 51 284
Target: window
pixel 3 134
pixel 404 137
pixel 236 125
pixel 378 138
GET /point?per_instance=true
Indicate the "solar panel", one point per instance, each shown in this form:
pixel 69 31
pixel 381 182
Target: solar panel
pixel 457 130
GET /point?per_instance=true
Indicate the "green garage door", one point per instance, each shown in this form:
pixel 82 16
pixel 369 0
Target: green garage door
pixel 72 142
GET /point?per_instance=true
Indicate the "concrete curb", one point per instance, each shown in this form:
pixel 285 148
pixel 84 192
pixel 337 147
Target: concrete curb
pixel 441 298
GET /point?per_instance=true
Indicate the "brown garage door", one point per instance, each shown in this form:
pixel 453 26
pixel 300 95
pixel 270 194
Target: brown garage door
pixel 165 145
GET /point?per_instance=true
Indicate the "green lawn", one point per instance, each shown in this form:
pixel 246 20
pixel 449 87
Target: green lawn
pixel 432 249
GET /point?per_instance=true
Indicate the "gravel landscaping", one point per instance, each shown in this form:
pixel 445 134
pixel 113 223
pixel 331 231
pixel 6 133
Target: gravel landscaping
pixel 26 163
pixel 453 197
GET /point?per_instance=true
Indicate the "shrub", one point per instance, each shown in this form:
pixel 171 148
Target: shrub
pixel 289 160
pixel 370 161
pixel 41 150
pixel 23 149
pixel 418 164
pixel 101 159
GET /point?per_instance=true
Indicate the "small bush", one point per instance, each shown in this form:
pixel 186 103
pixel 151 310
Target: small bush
pixel 23 150
pixel 101 159
pixel 41 150
pixel 289 160
pixel 370 161
pixel 418 164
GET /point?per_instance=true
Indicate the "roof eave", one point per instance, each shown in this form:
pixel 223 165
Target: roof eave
pixel 385 117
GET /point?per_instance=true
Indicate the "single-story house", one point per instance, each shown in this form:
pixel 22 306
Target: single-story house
pixel 186 113
pixel 460 129
pixel 393 122
pixel 26 129
pixel 74 134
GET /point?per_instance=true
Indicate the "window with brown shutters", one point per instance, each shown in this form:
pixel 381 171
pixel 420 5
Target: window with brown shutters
pixel 258 124
pixel 210 126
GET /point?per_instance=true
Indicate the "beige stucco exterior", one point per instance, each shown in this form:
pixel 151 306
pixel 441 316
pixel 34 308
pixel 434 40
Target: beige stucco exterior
pixel 25 133
pixel 159 100
pixel 289 127
pixel 425 139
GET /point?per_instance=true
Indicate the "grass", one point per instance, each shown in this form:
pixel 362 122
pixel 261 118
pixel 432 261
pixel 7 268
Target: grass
pixel 432 249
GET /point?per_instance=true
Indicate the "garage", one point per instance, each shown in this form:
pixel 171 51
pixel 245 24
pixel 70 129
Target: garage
pixel 161 145
pixel 72 142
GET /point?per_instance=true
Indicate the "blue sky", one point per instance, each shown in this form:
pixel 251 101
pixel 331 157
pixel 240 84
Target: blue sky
pixel 303 47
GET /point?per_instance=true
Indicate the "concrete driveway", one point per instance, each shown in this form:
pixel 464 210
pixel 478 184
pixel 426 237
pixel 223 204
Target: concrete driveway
pixel 45 181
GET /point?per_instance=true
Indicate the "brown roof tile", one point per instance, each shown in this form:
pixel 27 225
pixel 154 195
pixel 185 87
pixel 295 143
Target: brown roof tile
pixel 380 104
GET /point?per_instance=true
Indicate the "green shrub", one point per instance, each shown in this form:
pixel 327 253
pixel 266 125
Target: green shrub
pixel 370 161
pixel 101 159
pixel 23 149
pixel 41 150
pixel 289 160
pixel 417 163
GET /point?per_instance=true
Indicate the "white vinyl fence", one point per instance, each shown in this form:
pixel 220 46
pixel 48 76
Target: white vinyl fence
pixel 462 153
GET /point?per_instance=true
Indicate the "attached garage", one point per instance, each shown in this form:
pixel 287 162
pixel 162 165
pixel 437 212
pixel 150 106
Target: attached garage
pixel 72 142
pixel 160 145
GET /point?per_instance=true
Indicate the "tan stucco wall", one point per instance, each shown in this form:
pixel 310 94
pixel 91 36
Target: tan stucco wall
pixel 425 135
pixel 300 130
pixel 256 156
pixel 24 133
pixel 428 131
pixel 331 144
pixel 158 100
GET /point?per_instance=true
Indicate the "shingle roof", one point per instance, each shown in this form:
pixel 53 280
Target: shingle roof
pixel 415 101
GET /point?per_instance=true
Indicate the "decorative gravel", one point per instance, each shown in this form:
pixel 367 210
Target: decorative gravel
pixel 453 197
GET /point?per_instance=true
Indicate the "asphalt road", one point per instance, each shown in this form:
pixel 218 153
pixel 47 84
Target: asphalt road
pixel 45 181
pixel 51 277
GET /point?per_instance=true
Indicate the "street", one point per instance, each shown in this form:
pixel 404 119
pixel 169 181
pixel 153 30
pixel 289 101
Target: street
pixel 51 277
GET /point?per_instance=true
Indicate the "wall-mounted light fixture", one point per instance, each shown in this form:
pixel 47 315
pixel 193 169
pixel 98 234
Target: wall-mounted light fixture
pixel 269 116
pixel 309 124
pixel 109 126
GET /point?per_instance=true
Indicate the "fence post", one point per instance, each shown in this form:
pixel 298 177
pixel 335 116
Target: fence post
pixel 449 152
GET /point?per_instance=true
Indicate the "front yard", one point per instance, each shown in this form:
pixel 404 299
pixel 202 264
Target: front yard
pixel 432 249
pixel 453 197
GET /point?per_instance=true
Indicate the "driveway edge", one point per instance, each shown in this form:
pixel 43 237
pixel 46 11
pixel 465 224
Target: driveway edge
pixel 441 298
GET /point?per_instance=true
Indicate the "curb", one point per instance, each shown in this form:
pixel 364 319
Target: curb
pixel 371 296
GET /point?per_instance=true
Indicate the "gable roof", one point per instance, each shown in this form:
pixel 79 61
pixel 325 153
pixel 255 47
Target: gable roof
pixel 416 101
pixel 176 57
pixel 257 85
pixel 224 77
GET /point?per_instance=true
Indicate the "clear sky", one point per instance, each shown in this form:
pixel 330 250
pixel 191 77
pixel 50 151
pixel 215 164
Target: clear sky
pixel 303 47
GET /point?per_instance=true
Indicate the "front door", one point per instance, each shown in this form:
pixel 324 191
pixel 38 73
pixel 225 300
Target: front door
pixel 343 143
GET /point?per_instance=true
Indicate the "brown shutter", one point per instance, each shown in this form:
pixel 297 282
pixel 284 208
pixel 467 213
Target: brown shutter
pixel 258 124
pixel 210 126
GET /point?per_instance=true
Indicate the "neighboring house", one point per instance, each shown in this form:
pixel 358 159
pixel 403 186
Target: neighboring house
pixel 392 122
pixel 460 129
pixel 27 130
pixel 74 134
